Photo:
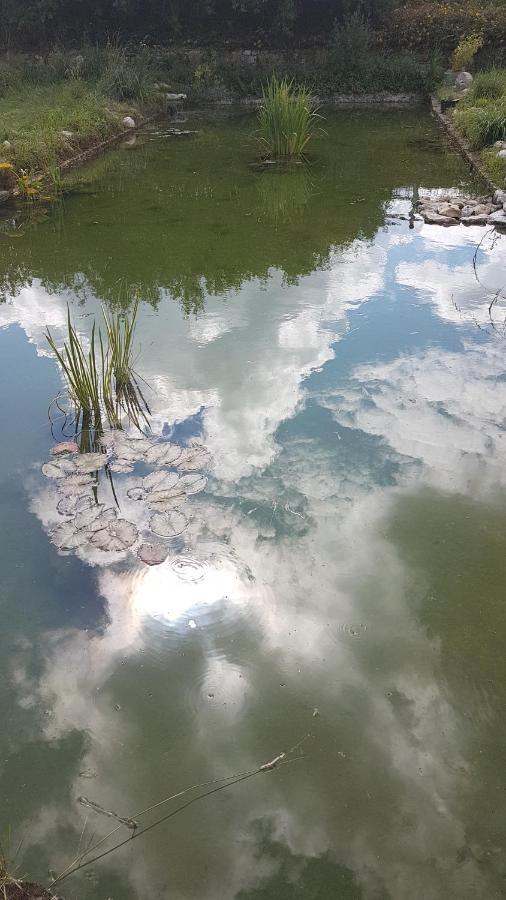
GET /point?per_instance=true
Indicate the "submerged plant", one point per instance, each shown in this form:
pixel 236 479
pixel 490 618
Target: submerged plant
pixel 287 119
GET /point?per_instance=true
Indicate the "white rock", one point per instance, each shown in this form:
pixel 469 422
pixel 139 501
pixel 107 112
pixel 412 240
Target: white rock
pixel 7 145
pixel 499 197
pixel 501 154
pixel 128 122
pixel 497 218
pixel 463 80
pixel 173 97
pixel 434 218
pixel 475 220
pixel 67 134
pixel 448 209
pixel 501 145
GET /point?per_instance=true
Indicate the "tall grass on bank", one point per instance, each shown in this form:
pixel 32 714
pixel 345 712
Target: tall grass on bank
pixel 287 119
pixel 489 85
pixel 102 385
pixel 482 125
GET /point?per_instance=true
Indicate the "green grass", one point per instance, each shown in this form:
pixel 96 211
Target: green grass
pixel 490 85
pixel 287 119
pixel 482 125
pixel 32 121
pixel 85 92
pixel 481 114
pixel 495 166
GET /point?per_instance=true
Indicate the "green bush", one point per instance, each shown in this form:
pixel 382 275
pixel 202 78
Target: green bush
pixel 352 38
pixel 465 51
pixel 427 25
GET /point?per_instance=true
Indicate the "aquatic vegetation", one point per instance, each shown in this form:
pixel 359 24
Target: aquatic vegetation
pixel 153 554
pixel 90 502
pixel 287 119
pixel 101 382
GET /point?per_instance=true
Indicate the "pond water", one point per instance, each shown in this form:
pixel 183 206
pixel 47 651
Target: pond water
pixel 339 591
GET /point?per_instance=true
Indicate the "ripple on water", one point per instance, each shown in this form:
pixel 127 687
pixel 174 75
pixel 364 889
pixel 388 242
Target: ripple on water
pixel 189 569
pixel 338 630
pixel 222 689
pixel 209 590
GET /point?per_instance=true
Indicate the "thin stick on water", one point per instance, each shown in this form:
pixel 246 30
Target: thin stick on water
pixel 222 783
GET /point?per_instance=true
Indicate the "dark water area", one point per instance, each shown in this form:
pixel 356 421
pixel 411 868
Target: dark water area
pixel 339 592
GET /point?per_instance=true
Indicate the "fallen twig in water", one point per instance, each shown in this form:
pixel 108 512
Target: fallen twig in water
pixel 80 863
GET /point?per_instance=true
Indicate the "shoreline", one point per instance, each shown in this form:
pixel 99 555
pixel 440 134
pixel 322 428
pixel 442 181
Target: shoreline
pixel 473 158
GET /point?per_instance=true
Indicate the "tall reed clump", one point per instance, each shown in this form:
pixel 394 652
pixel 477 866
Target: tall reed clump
pixel 287 119
pixel 102 385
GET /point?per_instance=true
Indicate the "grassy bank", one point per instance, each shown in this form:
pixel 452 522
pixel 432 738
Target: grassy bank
pixel 481 119
pixel 54 107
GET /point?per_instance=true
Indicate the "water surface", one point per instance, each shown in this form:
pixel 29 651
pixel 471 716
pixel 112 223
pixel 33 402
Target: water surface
pixel 343 573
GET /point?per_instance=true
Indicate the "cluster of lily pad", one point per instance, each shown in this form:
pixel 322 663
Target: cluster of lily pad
pixel 163 493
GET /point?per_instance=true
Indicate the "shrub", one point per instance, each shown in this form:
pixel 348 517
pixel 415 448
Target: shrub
pixel 465 51
pixel 286 119
pixel 426 25
pixel 352 38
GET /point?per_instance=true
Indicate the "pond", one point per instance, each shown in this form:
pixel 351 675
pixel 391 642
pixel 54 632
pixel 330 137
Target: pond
pixel 338 592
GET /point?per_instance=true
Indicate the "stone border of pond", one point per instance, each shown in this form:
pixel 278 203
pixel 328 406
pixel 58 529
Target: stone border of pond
pixel 382 98
pixel 462 146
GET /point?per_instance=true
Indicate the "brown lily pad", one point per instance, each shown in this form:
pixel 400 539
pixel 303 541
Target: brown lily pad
pixel 153 554
pixel 64 447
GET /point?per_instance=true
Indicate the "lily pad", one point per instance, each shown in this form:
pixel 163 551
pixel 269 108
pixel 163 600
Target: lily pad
pixel 194 457
pixel 95 517
pixel 163 454
pixel 153 554
pixel 168 524
pixel 75 485
pixel 192 483
pixel 160 481
pixel 64 447
pixel 69 506
pixel 132 448
pixel 118 535
pixel 90 462
pixel 123 466
pixel 67 537
pixel 60 468
pixel 163 501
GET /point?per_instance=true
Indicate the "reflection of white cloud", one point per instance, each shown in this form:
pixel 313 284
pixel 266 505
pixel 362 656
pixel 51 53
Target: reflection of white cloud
pixel 194 364
pixel 35 311
pixel 444 409
pixel 421 758
pixel 383 788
